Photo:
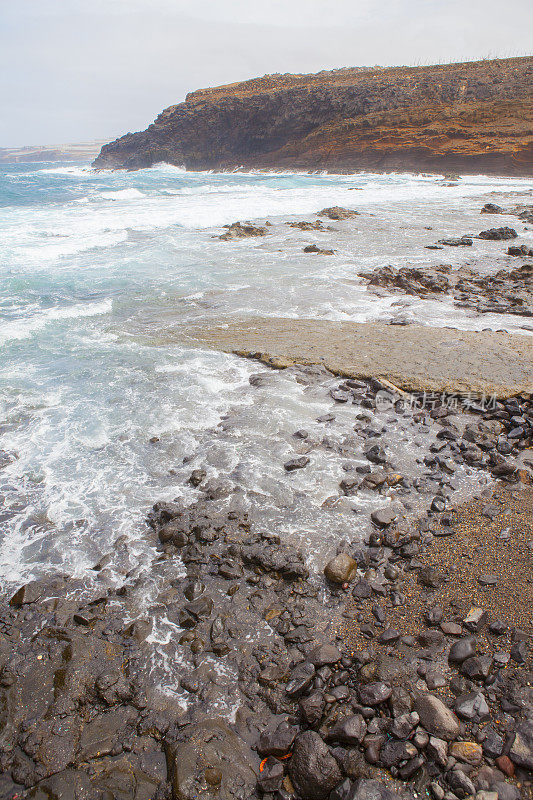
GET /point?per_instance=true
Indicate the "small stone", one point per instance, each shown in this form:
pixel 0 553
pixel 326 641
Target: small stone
pixel 394 752
pixel 429 577
pixel 312 707
pixel 271 775
pixel 497 627
pixel 277 742
pixel 498 234
pixel 519 652
pixel 505 764
pixel 300 680
pixel 461 650
pixel 521 752
pixel 437 749
pixel 376 454
pixel 383 517
pixel 340 569
pixel 324 654
pixel 472 706
pixel 451 628
pixel 313 769
pixel 435 680
pixel 197 476
pixel 506 791
pixel 469 752
pixel 477 668
pixel 487 580
pixel 389 636
pixel 460 783
pixel 475 619
pixel 373 694
pixel 492 743
pixel 436 718
pixel 296 463
pixel 350 730
pixel 433 616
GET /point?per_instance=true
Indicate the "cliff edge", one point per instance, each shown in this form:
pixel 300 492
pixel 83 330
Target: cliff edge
pixel 473 117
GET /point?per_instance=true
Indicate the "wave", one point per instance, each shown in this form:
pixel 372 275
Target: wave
pixel 25 327
pixel 122 194
pixel 72 172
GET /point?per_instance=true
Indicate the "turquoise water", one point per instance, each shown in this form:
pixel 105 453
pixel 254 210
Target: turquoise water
pixel 99 272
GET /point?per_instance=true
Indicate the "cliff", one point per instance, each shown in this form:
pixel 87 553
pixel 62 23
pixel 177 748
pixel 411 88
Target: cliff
pixel 471 117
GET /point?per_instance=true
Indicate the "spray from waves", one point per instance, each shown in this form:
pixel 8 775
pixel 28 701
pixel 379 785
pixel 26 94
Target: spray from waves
pixel 26 327
pixel 122 194
pixel 75 172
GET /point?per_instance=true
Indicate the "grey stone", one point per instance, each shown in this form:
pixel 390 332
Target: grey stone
pixel 435 717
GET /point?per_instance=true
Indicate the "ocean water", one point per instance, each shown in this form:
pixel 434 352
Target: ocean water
pixel 100 273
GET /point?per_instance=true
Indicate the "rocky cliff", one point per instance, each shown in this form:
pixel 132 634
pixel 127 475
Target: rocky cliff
pixel 471 117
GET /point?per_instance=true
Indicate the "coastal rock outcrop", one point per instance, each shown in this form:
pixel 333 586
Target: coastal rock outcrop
pixel 474 117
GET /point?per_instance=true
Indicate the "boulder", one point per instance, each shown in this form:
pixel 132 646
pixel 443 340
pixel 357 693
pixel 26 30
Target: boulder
pixel 498 234
pixel 242 230
pixel 338 213
pixel 313 769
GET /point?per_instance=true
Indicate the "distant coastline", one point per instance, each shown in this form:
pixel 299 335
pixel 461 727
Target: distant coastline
pixel 85 151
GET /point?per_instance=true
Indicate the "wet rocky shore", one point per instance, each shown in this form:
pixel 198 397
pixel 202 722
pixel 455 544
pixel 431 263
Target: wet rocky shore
pixel 402 667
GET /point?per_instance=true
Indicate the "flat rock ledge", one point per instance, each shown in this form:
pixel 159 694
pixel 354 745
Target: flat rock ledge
pixel 414 358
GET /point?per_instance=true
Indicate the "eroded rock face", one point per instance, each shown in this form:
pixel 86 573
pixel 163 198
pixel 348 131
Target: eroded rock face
pixel 504 292
pixel 456 117
pixel 243 230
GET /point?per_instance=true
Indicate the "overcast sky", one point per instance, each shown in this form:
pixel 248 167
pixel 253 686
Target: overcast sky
pixel 77 70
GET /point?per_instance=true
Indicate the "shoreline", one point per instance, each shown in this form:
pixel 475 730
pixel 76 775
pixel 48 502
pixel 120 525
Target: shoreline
pixel 244 662
pixel 336 669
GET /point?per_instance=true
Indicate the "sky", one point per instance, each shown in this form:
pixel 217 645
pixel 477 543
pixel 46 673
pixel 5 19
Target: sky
pixel 80 70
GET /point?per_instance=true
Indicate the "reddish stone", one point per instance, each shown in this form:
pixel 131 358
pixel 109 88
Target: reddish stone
pixel 506 765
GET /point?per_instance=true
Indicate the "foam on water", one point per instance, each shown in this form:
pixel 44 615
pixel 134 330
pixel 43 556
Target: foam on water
pixel 34 321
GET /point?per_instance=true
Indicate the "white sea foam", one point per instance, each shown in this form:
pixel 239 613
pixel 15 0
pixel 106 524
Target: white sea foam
pixel 122 194
pixel 25 327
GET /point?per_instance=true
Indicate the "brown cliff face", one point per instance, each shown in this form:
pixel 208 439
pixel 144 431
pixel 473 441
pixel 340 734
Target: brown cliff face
pixel 472 117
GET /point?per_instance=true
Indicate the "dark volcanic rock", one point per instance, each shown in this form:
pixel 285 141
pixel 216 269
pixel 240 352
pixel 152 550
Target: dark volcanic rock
pixel 243 230
pixel 498 234
pixel 210 745
pixel 313 770
pixel 521 752
pixel 373 694
pixel 338 213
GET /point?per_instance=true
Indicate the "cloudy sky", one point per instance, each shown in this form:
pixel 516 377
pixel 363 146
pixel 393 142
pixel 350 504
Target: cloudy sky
pixel 77 70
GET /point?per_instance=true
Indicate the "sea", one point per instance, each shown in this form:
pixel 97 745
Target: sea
pixel 105 407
